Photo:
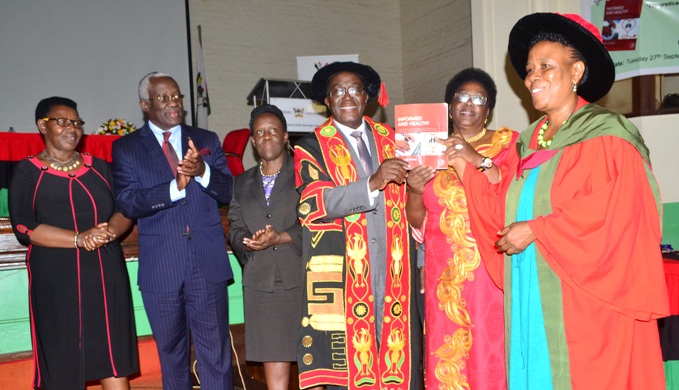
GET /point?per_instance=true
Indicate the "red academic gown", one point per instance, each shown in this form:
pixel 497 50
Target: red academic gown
pixel 602 242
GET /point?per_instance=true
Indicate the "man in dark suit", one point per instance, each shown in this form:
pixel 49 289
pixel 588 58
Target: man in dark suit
pixel 183 261
pixel 356 314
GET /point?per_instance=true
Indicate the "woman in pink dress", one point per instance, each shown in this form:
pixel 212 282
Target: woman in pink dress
pixel 464 323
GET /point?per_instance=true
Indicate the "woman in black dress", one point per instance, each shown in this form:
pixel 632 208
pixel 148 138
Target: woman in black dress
pixel 266 237
pixel 61 206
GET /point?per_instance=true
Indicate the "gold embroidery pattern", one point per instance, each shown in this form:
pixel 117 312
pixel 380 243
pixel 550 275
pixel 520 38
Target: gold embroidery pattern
pixel 339 352
pixel 340 156
pixel 500 140
pixel 361 310
pixel 356 251
pixel 313 172
pixel 316 238
pixel 397 263
pixel 454 222
pixel 395 357
pixel 325 304
pixel 363 358
pixel 454 349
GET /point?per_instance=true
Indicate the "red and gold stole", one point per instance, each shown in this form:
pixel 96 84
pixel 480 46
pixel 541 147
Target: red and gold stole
pixel 392 367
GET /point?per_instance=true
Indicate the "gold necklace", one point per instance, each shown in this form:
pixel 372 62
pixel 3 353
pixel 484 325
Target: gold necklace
pixel 71 164
pixel 476 137
pixel 271 175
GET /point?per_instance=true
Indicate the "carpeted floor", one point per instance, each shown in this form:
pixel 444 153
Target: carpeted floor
pixel 18 374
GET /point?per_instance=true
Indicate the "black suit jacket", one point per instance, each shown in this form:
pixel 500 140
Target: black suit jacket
pixel 248 212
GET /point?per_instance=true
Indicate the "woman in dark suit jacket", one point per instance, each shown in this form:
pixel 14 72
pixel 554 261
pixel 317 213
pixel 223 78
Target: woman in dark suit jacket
pixel 266 237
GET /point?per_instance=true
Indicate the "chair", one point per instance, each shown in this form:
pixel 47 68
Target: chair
pixel 234 145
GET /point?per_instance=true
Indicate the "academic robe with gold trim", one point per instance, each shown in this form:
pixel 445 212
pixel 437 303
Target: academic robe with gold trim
pixel 352 335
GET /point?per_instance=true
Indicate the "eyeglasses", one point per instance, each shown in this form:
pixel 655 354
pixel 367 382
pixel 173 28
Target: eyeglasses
pixel 63 122
pixel 464 97
pixel 340 92
pixel 166 99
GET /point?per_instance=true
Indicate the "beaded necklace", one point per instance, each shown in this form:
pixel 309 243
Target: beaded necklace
pixel 541 135
pixel 476 137
pixel 271 175
pixel 64 166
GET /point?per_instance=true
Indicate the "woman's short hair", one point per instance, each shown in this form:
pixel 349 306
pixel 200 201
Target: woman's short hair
pixel 560 38
pixel 45 106
pixel 264 109
pixel 472 74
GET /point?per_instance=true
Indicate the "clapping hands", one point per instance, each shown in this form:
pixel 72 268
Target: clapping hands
pixel 192 165
pixel 262 239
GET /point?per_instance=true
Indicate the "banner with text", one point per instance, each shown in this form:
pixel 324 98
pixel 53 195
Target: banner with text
pixel 302 115
pixel 641 36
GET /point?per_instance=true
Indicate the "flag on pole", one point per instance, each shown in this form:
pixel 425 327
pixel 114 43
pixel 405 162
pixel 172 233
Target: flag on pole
pixel 202 99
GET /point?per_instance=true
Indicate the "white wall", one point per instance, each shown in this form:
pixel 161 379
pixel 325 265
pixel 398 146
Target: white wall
pixel 661 134
pixel 92 51
pixel 436 44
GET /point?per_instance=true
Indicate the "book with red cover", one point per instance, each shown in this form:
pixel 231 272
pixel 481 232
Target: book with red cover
pixel 421 129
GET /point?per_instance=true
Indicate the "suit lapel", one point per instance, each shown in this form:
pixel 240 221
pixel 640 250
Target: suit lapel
pixel 153 150
pixel 259 192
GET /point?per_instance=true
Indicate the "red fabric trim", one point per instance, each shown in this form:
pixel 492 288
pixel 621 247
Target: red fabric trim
pixel 106 315
pixel 330 377
pixel 102 178
pixel 311 220
pixel 535 160
pixel 17 146
pixel 672 280
pixel 83 169
pixel 395 344
pixel 23 229
pixel 35 191
pixel 37 378
pixel 101 270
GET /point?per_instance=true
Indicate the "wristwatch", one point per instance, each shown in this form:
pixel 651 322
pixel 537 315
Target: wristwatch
pixel 486 163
